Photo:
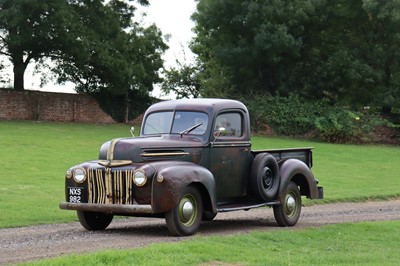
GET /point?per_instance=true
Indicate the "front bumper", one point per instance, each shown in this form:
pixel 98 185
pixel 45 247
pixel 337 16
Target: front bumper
pixel 107 208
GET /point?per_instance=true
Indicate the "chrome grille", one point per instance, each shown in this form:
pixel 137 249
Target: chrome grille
pixel 110 187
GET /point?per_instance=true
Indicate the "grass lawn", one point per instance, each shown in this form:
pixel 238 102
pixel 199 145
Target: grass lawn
pixel 342 244
pixel 34 159
pixel 36 155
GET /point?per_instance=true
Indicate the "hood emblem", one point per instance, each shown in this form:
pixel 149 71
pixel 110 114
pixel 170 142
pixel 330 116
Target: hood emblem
pixel 111 163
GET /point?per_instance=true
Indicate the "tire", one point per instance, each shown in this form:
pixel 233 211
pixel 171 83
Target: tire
pixel 208 216
pixel 288 213
pixel 185 218
pixel 264 177
pixel 94 220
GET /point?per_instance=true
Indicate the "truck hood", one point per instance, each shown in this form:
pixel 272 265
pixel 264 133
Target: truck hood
pixel 156 148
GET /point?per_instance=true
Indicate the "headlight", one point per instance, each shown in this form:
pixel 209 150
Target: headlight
pixel 79 175
pixel 139 178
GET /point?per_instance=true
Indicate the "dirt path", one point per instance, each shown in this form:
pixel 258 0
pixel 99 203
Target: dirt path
pixel 36 242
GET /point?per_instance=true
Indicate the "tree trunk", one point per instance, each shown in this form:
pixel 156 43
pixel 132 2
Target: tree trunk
pixel 19 71
pixel 126 103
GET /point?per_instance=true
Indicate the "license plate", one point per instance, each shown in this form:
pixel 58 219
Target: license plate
pixel 75 194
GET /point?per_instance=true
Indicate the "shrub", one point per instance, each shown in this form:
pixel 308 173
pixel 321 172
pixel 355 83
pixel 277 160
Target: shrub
pixel 295 116
pixel 338 126
pixel 290 116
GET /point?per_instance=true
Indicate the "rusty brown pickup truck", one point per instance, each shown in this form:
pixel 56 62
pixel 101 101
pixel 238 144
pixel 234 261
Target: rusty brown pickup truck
pixel 192 160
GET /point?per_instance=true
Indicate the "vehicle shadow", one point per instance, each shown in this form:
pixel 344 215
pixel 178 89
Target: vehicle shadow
pixel 156 227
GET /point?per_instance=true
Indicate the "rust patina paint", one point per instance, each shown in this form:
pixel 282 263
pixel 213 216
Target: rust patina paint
pixel 147 175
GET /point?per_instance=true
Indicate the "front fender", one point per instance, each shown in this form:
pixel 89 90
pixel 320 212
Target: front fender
pixel 172 178
pixel 298 172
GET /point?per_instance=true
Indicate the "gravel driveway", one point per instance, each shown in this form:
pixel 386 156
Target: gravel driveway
pixel 36 242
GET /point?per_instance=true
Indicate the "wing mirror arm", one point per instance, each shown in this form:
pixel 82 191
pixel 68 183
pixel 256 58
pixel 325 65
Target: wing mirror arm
pixel 132 131
pixel 217 134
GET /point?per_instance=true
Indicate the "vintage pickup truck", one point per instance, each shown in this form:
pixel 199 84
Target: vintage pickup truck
pixel 193 159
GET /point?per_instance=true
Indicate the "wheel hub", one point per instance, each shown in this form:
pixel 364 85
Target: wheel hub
pixel 187 210
pixel 290 204
pixel 267 178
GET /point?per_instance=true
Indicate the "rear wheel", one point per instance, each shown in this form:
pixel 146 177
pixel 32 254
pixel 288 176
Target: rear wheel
pixel 288 212
pixel 94 220
pixel 185 218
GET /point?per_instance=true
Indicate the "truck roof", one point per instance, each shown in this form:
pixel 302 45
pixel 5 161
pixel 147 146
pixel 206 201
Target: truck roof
pixel 207 105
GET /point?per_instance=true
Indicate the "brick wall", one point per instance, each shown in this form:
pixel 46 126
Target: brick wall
pixel 49 106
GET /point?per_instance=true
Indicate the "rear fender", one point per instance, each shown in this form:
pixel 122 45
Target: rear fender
pixel 172 179
pixel 298 172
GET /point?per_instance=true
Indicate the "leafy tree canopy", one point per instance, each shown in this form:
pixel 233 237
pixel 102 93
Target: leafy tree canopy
pixel 346 51
pixel 30 30
pixel 94 43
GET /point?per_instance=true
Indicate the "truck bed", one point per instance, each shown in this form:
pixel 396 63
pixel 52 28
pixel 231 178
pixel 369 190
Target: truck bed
pixel 302 154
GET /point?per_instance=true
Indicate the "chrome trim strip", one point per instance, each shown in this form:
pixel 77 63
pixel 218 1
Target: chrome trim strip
pixel 155 154
pixel 111 208
pixel 230 209
pixel 110 152
pixel 231 144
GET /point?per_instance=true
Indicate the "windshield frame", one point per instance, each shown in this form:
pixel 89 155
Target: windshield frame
pixel 173 125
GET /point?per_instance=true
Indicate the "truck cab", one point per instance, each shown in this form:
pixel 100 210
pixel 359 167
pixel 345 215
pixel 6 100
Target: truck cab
pixel 193 159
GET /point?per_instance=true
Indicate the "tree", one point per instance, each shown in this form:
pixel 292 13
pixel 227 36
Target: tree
pixel 93 43
pixel 30 30
pixel 184 80
pixel 254 43
pixel 333 57
pixel 347 51
pixel 383 52
pixel 112 57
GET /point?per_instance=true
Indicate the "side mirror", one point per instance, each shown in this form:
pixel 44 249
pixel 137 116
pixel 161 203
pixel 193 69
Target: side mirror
pixel 216 134
pixel 133 131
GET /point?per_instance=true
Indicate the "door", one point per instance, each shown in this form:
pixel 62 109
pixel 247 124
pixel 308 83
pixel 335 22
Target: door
pixel 230 155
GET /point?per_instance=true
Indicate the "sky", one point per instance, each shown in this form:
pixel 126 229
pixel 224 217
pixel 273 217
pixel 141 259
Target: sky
pixel 172 17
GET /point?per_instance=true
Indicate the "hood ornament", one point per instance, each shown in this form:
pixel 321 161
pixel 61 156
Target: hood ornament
pixel 111 163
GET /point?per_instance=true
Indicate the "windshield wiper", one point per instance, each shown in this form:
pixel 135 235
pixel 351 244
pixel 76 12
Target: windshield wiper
pixel 190 129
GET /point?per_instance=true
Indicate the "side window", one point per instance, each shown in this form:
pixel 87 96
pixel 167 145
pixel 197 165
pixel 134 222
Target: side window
pixel 229 124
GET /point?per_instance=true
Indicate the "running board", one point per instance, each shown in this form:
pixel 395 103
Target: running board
pixel 238 207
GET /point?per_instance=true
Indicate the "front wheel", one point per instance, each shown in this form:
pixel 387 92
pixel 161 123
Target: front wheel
pixel 94 220
pixel 185 218
pixel 288 212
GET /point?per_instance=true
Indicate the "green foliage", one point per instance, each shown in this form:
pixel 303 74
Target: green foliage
pixel 30 30
pixel 94 44
pixel 288 116
pixel 184 81
pixel 343 126
pixel 249 41
pixel 296 116
pixel 345 51
pixel 114 59
pixel 121 107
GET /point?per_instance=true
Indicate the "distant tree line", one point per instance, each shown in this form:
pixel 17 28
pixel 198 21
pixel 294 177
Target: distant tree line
pixel 345 51
pixel 340 52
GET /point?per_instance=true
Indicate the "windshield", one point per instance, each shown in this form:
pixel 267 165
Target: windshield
pixel 179 122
